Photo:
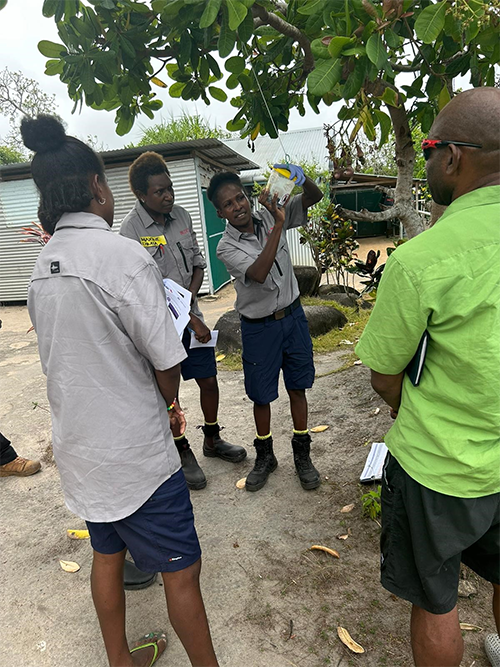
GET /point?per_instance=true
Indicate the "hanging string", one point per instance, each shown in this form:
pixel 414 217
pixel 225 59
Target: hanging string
pixel 287 157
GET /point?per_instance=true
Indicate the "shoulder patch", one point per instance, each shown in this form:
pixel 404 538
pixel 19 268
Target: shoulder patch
pixel 55 267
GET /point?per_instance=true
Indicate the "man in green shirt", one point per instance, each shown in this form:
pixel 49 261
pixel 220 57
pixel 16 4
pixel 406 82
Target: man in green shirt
pixel 441 482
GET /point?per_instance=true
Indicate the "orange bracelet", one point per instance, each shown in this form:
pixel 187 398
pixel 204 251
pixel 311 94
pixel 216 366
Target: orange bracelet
pixel 171 407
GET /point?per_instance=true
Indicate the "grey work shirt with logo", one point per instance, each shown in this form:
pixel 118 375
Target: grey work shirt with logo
pixel 238 251
pixel 98 306
pixel 176 258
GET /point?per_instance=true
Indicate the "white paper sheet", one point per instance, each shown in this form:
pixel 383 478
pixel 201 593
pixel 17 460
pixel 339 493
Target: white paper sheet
pixel 211 343
pixel 372 472
pixel 179 304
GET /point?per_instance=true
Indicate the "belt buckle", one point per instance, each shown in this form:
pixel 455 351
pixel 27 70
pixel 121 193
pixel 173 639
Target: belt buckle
pixel 279 314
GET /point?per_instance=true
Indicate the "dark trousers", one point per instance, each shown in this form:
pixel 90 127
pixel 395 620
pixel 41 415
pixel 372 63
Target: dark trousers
pixel 7 452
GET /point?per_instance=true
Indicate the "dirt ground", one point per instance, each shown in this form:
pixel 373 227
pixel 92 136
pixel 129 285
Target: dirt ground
pixel 271 602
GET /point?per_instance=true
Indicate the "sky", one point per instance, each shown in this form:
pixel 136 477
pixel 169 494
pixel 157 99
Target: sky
pixel 22 26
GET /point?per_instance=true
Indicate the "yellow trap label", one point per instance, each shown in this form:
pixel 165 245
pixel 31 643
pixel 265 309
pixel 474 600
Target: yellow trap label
pixel 153 241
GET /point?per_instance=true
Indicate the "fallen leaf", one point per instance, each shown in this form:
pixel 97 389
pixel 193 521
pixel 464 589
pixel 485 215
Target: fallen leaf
pixel 69 566
pixel 78 534
pixel 358 362
pixel 376 411
pixel 319 429
pixel 347 508
pixel 343 537
pixel 240 484
pixel 346 342
pixel 469 626
pixel 346 639
pixel 220 357
pixel 236 545
pixel 318 547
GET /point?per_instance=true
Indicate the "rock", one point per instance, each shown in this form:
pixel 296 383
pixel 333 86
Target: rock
pixel 322 319
pixel 308 278
pixel 229 328
pixel 347 300
pixel 466 589
pixel 336 289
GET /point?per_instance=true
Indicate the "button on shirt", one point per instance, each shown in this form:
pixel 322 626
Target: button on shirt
pixel 173 245
pixel 98 306
pixel 446 280
pixel 238 251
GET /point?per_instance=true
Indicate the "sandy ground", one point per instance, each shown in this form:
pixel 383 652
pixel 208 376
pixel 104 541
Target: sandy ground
pixel 271 602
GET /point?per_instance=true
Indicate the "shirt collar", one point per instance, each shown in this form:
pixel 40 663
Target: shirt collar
pixel 236 235
pixel 478 197
pixel 82 220
pixel 146 219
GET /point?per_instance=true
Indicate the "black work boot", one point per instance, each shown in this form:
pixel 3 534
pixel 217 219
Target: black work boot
pixel 308 475
pixel 195 477
pixel 215 446
pixel 265 464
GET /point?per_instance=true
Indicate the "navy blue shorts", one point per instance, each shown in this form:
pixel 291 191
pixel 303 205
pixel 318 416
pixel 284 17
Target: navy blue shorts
pixel 160 535
pixel 200 362
pixel 271 346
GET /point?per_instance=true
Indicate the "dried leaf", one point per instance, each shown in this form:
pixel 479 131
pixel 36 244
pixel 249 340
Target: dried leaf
pixel 358 362
pixel 469 626
pixel 318 547
pixel 347 508
pixel 346 639
pixel 346 342
pixel 69 566
pixel 343 537
pixel 375 412
pixel 319 429
pixel 78 534
pixel 220 357
pixel 240 484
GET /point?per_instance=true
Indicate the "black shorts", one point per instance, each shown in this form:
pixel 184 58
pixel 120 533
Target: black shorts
pixel 426 534
pixel 200 362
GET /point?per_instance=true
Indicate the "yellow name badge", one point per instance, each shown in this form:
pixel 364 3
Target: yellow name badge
pixel 153 241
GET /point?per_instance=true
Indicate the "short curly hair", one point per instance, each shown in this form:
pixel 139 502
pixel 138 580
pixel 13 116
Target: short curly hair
pixel 217 181
pixel 146 165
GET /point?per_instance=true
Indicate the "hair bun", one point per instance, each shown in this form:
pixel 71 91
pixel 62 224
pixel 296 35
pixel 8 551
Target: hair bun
pixel 43 134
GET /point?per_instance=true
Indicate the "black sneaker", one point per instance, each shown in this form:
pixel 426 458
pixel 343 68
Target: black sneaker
pixel 308 475
pixel 265 464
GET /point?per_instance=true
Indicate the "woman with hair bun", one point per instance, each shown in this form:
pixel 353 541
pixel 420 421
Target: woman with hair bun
pixel 112 357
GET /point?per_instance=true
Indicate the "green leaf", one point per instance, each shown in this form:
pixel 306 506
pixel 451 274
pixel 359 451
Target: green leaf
pixel 314 24
pixel 235 65
pixel 235 126
pixel 245 29
pixel 232 82
pixel 390 97
pixel 214 66
pixel 385 124
pixel 124 125
pixel 210 13
pixel 217 93
pixel 49 8
pixel 176 89
pixel 319 50
pixel 227 39
pixel 337 44
pixel 51 49
pixel 355 79
pixel 311 7
pixel 430 22
pixel 433 86
pixel 367 120
pixel 237 12
pixel 324 77
pixel 444 97
pixel 53 67
pixel 376 51
pixel 391 38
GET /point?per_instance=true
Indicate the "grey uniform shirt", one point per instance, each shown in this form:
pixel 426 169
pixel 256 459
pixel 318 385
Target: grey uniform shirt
pixel 177 257
pixel 98 306
pixel 238 251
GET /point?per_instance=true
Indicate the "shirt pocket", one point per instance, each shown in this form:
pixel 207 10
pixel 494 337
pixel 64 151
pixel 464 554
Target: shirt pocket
pixel 186 252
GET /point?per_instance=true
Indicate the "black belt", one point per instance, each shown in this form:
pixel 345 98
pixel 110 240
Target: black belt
pixel 278 315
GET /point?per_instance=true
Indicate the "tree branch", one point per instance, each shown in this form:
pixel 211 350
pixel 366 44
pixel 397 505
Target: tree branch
pixel 370 216
pixel 404 68
pixel 289 30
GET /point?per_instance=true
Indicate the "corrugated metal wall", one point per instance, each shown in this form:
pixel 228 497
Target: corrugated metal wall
pixel 18 208
pixel 300 254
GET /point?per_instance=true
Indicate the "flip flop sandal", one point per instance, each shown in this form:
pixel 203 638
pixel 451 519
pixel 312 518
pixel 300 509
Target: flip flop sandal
pixel 492 647
pixel 155 636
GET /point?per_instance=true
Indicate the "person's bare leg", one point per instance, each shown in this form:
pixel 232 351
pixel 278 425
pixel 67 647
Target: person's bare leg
pixel 106 582
pixel 436 640
pixel 209 401
pixel 298 408
pixel 262 416
pixel 187 614
pixel 496 605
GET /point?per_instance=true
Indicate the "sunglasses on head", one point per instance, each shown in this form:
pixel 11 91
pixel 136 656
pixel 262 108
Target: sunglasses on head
pixel 427 144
